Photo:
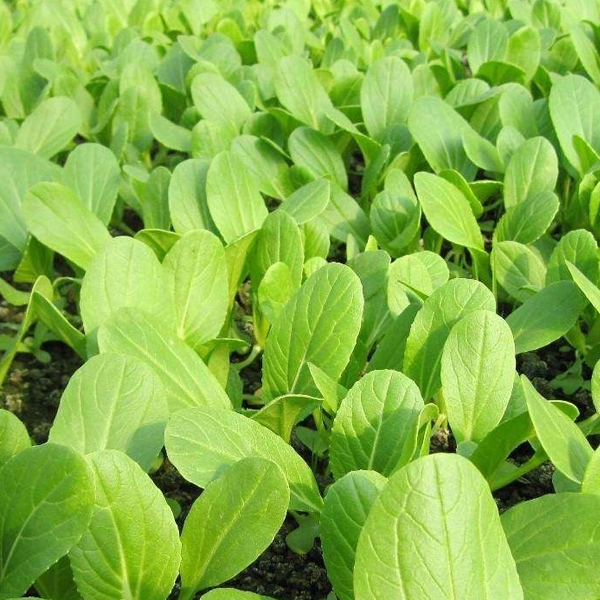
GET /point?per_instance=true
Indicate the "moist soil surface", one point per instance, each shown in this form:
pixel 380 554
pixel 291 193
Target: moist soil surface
pixel 32 391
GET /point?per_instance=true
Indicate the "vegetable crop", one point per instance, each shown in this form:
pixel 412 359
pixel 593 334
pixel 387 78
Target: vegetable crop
pixel 295 244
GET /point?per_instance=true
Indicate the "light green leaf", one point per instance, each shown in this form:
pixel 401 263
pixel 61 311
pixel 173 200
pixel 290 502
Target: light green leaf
pixel 546 316
pixel 575 110
pixel 275 289
pixel 562 440
pixel 231 594
pixel 318 154
pixel 196 279
pixel 19 170
pixel 487 42
pixel 386 94
pixel 421 272
pixel 217 100
pixel 478 365
pixel 56 217
pixel 448 211
pixel 347 505
pixel 113 402
pixel 528 220
pixel 308 202
pixel 13 436
pixel 590 290
pixel 579 248
pixel 375 425
pixel 131 548
pixel 556 534
pixel 50 127
pixel 46 502
pixel 345 217
pixel 532 169
pixel 441 144
pixel 187 380
pixel 438 526
pixel 517 268
pixel 170 134
pixel 188 206
pixel 432 325
pixel 233 197
pixel 320 324
pixel 93 173
pixel 203 442
pixel 125 273
pixel 233 521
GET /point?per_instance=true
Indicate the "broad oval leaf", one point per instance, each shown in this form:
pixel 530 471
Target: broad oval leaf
pixel 556 534
pixel 59 219
pixel 432 325
pixel 13 436
pixel 186 379
pixel 113 402
pixel 448 211
pixel 233 197
pixel 438 526
pixel 92 172
pixel 478 365
pixel 308 202
pixel 204 442
pixel 233 521
pixel 131 548
pixel 386 94
pixel 125 273
pixel 50 127
pixel 196 278
pixel 320 325
pixel 375 426
pixel 345 510
pixel 46 502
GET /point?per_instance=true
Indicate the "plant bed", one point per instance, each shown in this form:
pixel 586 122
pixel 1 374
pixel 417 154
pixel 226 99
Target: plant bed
pixel 300 300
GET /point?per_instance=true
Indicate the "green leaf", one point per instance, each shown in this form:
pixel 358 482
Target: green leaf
pixel 575 108
pixel 320 324
pixel 50 127
pixel 300 91
pixel 233 197
pixel 432 325
pixel 562 440
pixel 113 402
pixel 421 272
pixel 57 581
pixel 19 170
pixel 125 273
pixel 187 380
pixel 170 134
pixel 556 534
pixel 487 42
pixel 375 426
pixel 518 269
pixel 203 442
pixel 131 548
pixel 308 202
pixel 231 594
pixel 217 100
pixel 188 205
pixel 546 316
pixel 531 170
pixel 274 290
pixel 58 219
pixel 196 279
pixel 590 290
pixel 232 523
pixel 441 144
pixel 386 94
pixel 318 154
pixel 579 248
pixel 526 221
pixel 448 211
pixel 93 173
pixel 438 526
pixel 46 503
pixel 13 436
pixel 478 365
pixel 345 217
pixel 345 510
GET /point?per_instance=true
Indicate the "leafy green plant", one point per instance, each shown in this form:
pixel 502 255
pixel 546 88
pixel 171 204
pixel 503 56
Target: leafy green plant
pixel 299 247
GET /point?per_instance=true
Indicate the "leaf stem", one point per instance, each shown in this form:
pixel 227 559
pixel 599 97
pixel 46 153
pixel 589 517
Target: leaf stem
pixel 254 353
pixel 535 461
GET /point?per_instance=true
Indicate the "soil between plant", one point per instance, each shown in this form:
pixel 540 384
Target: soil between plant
pixel 32 391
